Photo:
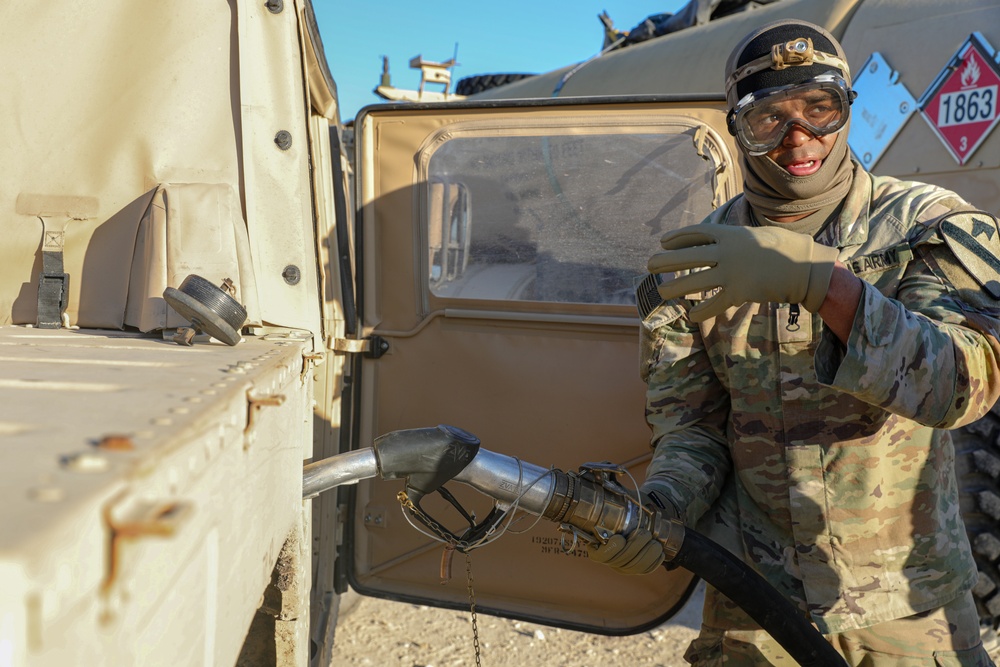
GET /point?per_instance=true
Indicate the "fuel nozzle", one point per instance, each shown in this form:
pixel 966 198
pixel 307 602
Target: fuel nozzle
pixel 592 505
pixel 426 458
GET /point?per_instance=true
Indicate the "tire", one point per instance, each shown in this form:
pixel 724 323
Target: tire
pixel 471 85
pixel 977 459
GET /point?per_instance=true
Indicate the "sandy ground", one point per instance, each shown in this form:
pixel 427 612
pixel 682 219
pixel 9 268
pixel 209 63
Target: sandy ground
pixel 397 634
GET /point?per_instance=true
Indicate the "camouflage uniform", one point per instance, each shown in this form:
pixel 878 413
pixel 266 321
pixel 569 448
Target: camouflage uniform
pixel 843 483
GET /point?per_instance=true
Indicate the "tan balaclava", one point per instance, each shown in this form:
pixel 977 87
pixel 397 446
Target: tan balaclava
pixel 770 189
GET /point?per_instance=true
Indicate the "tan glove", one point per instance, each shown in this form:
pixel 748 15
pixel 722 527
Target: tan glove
pixel 749 264
pixel 640 553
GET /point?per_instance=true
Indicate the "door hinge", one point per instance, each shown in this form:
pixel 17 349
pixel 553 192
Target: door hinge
pixel 373 346
pixel 349 345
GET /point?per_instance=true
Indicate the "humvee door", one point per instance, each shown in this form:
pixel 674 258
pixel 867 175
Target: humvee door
pixel 499 251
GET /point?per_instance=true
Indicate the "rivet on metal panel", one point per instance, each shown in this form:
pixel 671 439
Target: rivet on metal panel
pixel 274 6
pixel 283 139
pixel 85 462
pixel 291 274
pixel 254 404
pixel 375 517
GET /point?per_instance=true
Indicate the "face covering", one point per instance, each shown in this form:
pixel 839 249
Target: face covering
pixel 770 189
pixel 774 192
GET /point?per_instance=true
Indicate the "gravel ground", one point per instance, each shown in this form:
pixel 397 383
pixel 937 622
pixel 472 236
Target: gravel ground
pixel 397 634
pixel 383 633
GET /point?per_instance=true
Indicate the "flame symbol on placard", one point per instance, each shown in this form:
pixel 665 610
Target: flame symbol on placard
pixel 970 75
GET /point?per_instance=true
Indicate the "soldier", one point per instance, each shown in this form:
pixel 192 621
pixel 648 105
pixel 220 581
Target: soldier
pixel 827 327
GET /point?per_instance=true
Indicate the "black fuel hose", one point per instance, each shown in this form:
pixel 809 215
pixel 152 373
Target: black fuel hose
pixel 779 617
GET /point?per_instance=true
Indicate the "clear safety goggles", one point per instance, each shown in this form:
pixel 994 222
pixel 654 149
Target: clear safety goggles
pixel 762 119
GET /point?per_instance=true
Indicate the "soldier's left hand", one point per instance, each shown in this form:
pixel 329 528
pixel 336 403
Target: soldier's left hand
pixel 747 265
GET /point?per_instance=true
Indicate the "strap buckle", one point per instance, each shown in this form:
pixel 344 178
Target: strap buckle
pixel 53 282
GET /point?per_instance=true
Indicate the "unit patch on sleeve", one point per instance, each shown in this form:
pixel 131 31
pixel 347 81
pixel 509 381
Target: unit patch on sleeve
pixel 975 241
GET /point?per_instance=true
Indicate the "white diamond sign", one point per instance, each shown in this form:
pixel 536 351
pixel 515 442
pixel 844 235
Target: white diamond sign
pixel 883 106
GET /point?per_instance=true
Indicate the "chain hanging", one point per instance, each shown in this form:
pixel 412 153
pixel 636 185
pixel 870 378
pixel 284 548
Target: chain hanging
pixel 473 538
pixel 472 608
pixel 452 545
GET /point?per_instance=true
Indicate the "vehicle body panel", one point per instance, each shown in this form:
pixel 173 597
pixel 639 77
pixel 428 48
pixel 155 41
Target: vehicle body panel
pixel 517 344
pixel 119 451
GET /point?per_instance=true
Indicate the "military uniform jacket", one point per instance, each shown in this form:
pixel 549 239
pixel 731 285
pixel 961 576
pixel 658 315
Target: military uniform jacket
pixel 843 474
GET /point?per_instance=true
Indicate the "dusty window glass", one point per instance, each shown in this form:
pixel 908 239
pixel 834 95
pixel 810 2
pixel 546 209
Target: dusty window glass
pixel 569 219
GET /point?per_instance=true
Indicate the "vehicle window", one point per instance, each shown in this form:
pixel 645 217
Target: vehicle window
pixel 568 218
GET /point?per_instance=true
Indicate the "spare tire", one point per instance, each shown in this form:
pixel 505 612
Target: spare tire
pixel 977 459
pixel 471 85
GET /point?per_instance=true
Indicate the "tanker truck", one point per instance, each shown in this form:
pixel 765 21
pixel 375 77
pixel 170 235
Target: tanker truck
pixel 202 291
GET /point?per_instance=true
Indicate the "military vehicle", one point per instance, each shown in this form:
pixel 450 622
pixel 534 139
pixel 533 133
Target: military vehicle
pixel 200 292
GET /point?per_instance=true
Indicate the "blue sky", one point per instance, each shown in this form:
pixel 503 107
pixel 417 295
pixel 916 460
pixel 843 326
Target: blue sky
pixel 492 37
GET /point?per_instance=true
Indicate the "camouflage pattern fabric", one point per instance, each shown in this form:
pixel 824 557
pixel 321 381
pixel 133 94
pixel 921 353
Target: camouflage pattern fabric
pixel 943 637
pixel 842 469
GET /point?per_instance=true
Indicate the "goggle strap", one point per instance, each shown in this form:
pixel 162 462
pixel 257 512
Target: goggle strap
pixel 783 56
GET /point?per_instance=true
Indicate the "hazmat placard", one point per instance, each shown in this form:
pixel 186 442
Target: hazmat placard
pixel 961 104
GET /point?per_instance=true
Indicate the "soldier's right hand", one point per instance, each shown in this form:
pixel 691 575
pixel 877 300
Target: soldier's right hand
pixel 639 554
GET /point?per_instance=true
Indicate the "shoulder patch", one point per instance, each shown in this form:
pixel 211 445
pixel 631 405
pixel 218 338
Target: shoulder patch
pixel 647 296
pixel 975 241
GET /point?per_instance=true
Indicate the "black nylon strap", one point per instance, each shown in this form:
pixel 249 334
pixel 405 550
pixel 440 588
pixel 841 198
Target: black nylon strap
pixel 53 287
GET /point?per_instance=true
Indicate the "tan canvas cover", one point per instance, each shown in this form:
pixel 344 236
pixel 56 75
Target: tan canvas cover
pixel 188 228
pixel 101 108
